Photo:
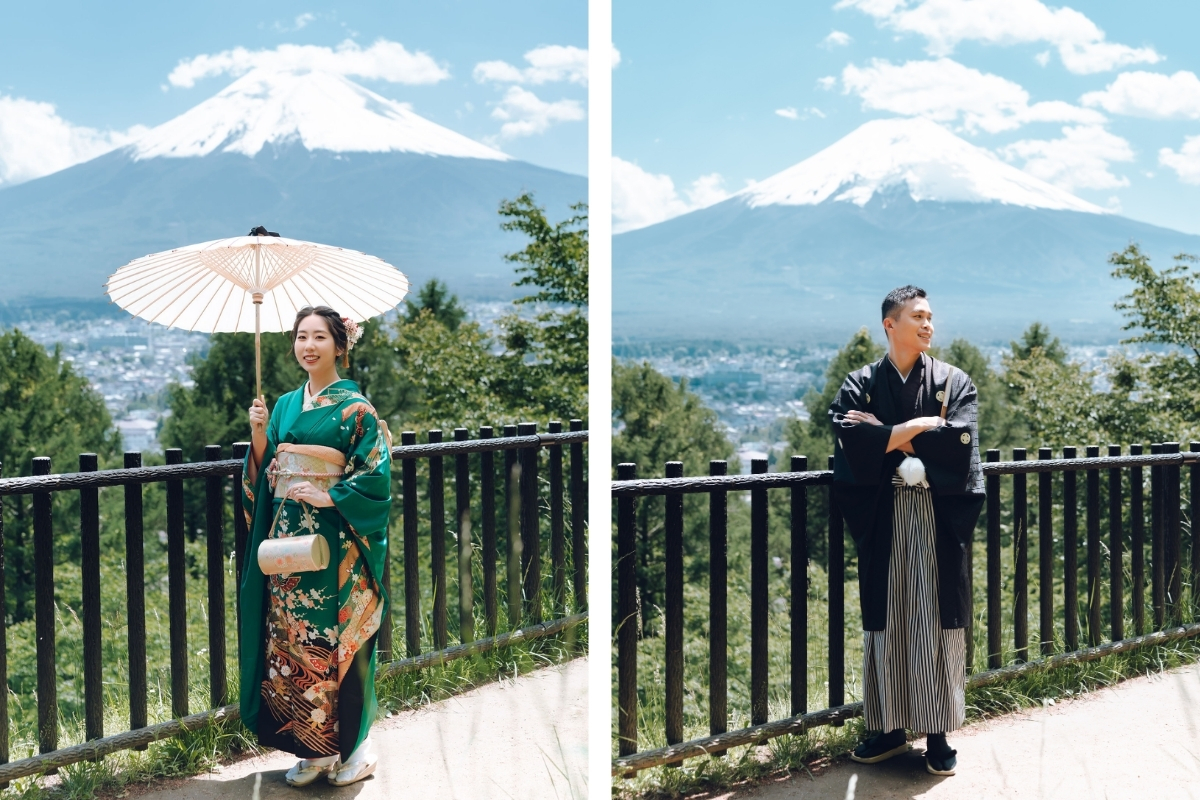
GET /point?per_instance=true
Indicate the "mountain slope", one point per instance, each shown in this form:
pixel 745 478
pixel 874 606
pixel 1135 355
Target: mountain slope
pixel 390 184
pixel 791 259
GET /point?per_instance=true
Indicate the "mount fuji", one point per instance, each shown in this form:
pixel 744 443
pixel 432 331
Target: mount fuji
pixel 810 252
pixel 312 155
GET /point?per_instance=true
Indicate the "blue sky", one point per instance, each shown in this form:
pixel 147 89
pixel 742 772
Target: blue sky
pixel 104 68
pixel 707 100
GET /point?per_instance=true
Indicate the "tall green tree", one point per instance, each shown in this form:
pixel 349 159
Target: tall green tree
pixel 657 420
pixel 546 354
pixel 46 409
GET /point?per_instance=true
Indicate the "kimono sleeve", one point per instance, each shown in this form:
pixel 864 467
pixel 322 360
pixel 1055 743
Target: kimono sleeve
pixel 947 451
pixel 861 447
pixel 363 497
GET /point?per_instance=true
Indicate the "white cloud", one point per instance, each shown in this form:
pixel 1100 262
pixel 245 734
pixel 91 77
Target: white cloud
pixel 946 91
pixel 827 82
pixel 836 39
pixel 36 141
pixel 642 198
pixel 1186 162
pixel 384 60
pixel 525 114
pixel 944 24
pixel 788 113
pixel 1042 58
pixel 300 22
pixel 1079 160
pixel 1150 94
pixel 549 64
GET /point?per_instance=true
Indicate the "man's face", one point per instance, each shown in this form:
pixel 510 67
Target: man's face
pixel 911 328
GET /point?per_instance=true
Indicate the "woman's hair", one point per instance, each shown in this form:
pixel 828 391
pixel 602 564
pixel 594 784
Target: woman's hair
pixel 333 321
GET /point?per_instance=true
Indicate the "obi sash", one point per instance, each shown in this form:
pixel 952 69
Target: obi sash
pixel 296 463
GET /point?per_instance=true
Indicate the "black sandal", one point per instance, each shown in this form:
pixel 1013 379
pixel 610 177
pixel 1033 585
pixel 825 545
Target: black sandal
pixel 881 747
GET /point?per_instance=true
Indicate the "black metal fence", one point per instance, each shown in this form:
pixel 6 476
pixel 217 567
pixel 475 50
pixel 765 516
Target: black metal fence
pixel 525 498
pixel 1124 479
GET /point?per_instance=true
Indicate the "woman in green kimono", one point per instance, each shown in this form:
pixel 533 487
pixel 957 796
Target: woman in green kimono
pixel 319 463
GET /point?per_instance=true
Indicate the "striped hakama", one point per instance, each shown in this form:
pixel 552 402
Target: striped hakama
pixel 913 670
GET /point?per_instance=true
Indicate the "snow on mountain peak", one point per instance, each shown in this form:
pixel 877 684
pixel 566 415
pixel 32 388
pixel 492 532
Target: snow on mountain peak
pixel 323 110
pixel 931 161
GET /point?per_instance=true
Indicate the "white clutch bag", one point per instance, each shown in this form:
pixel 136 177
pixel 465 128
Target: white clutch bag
pixel 293 554
pixel 912 471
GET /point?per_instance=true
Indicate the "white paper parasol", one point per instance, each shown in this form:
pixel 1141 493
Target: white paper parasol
pixel 254 283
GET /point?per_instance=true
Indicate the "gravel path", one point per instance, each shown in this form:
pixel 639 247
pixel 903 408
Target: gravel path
pixel 522 739
pixel 1138 740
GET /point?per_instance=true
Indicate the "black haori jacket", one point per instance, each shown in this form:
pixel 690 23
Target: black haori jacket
pixel 863 470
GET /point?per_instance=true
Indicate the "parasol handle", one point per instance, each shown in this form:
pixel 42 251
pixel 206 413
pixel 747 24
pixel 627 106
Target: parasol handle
pixel 258 298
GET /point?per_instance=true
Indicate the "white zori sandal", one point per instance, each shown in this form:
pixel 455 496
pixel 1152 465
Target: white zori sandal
pixel 359 765
pixel 306 771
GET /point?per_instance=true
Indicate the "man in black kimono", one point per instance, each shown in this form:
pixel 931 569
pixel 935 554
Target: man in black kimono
pixel 908 482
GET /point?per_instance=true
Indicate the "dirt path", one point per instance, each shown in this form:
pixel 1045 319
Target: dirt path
pixel 522 739
pixel 1140 739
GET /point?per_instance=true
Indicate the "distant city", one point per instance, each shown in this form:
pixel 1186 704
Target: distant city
pixel 130 363
pixel 755 391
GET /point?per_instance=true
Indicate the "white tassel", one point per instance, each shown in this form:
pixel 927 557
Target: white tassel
pixel 912 472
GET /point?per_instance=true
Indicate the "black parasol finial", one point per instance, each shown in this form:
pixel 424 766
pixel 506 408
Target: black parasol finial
pixel 261 231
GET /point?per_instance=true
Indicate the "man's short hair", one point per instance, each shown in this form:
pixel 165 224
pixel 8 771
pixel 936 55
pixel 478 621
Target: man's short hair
pixel 896 299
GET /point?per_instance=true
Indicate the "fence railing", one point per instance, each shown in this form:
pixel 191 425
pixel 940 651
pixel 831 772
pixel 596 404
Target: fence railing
pixel 521 448
pixel 1057 515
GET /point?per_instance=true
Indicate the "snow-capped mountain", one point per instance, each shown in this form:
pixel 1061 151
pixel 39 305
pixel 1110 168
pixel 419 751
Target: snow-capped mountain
pixel 930 162
pixel 309 154
pixel 321 110
pixel 809 253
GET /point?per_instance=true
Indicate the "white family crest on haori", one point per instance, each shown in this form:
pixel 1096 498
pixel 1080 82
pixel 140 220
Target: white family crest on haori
pixel 254 283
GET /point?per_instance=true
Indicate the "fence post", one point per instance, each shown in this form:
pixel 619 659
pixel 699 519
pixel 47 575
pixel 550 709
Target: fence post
pixel 673 602
pixel 837 603
pixel 558 545
pixel 1193 505
pixel 1173 550
pixel 758 597
pixel 1158 590
pixel 1046 554
pixel 1116 550
pixel 47 669
pixel 1137 543
pixel 799 589
pixel 578 517
pixel 462 509
pixel 3 650
pixel 994 610
pixel 1093 549
pixel 1021 560
pixel 487 505
pixel 135 593
pixel 512 509
pixel 437 542
pixel 531 566
pixel 177 590
pixel 1070 555
pixel 718 609
pixel 412 572
pixel 214 518
pixel 627 622
pixel 89 546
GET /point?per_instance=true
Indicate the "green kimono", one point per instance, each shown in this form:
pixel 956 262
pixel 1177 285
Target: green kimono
pixel 308 638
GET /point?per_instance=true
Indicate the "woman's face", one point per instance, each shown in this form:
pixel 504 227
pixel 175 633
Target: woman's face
pixel 314 347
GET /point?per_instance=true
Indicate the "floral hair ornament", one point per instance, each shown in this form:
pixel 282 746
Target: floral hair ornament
pixel 353 332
